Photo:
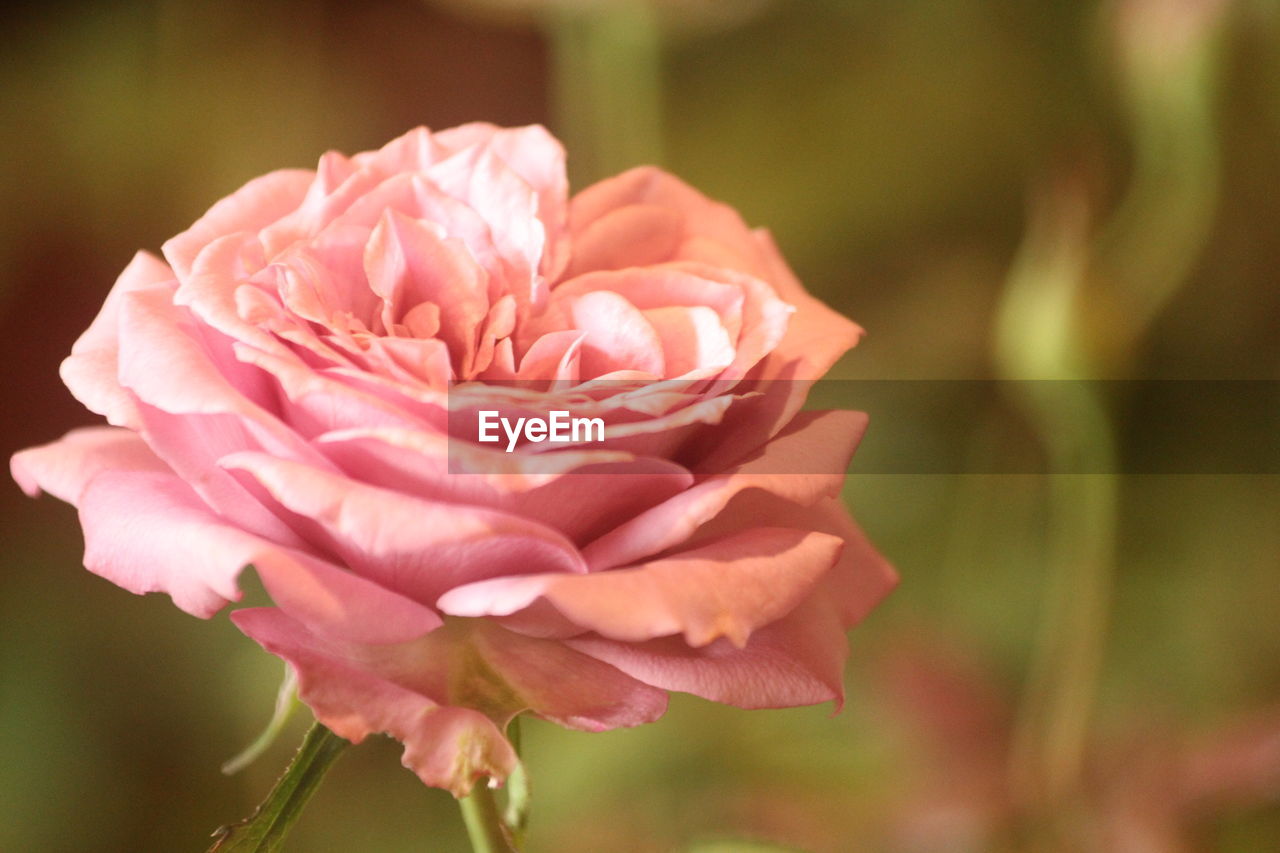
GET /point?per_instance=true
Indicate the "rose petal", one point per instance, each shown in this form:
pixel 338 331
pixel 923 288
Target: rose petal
pixel 647 185
pixel 798 660
pixel 64 467
pixel 537 157
pixel 476 665
pixel 486 184
pixel 409 262
pixel 637 235
pixel 91 372
pixel 692 338
pixel 450 748
pixel 618 337
pixel 859 580
pixel 416 547
pixel 726 588
pixel 255 205
pixel 581 505
pixel 147 531
pixel 193 414
pixel 803 464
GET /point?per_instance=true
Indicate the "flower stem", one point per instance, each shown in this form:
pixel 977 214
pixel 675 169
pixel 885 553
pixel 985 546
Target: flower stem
pixel 265 830
pixel 485 827
pixel 607 85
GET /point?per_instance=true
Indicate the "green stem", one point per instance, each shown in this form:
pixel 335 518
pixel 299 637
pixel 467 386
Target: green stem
pixel 484 823
pixel 265 830
pixel 607 85
pixel 1039 339
pixel 1050 738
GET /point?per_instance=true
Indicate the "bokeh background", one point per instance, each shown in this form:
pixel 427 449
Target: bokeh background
pixel 993 188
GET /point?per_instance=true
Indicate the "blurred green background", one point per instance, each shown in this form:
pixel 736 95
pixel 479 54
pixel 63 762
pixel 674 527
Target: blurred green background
pixel 993 188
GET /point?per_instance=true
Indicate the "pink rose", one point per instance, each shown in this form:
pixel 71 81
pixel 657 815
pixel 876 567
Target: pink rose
pixel 280 390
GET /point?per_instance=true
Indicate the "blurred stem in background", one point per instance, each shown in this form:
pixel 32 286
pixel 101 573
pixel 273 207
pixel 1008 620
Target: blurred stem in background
pixel 607 85
pixel 1036 340
pixel 1169 57
pixel 1075 307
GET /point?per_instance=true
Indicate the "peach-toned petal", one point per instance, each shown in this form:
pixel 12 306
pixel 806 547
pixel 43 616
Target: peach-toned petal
pixel 801 465
pixel 705 219
pixel 727 588
pixel 692 338
pixel 660 287
pixel 798 660
pixel 638 235
pixel 859 580
pixel 862 577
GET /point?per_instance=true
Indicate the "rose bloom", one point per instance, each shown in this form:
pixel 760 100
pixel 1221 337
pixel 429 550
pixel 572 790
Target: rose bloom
pixel 279 390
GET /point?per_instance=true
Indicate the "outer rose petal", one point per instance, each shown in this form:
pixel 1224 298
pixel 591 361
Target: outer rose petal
pixel 446 747
pixel 91 372
pixel 143 527
pixel 706 222
pixel 64 467
pixel 416 547
pixel 255 205
pixel 474 665
pixel 482 665
pixel 726 588
pixel 862 577
pixel 859 580
pixel 636 235
pixel 818 442
pixel 798 660
pixel 122 491
pixel 581 505
pixel 193 414
pixel 139 532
